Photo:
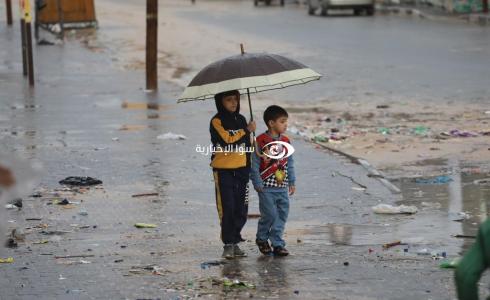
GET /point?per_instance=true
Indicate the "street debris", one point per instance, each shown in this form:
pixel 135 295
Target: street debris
pixel 485 181
pixel 11 243
pixel 54 232
pixel 390 209
pixel 171 136
pixel 44 42
pixel 83 213
pixel 41 242
pixel 17 235
pixel 458 133
pixel 145 225
pixel 392 244
pixel 206 265
pixel 420 130
pixel 61 202
pixel 154 270
pixel 145 195
pixel 8 260
pixel 80 181
pixel 75 256
pixel 438 255
pixel 434 205
pixel 10 206
pixel 459 216
pixel 463 236
pixel 235 283
pixel 443 179
pixel 384 130
pixel 17 203
pixel 74 262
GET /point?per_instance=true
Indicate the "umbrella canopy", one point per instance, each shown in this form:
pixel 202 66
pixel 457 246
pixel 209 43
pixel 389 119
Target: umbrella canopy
pixel 247 73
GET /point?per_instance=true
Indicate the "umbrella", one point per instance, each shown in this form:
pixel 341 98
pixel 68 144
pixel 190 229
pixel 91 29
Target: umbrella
pixel 247 73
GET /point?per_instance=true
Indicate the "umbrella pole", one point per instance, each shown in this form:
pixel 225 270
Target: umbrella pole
pixel 252 137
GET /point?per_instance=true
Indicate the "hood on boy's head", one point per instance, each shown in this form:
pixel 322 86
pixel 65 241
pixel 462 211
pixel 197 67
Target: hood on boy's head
pixel 218 98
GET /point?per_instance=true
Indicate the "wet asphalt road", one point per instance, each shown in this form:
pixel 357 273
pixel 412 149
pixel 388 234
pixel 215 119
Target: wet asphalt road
pixel 366 58
pixel 69 123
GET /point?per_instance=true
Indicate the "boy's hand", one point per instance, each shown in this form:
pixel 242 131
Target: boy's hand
pixel 292 189
pixel 251 126
pixel 259 189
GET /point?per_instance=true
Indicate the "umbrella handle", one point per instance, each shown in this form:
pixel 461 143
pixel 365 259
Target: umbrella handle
pixel 250 105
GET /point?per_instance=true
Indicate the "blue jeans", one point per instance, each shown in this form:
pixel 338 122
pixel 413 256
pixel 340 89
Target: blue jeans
pixel 274 210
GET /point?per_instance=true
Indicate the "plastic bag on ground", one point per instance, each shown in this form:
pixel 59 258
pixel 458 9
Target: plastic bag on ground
pixel 390 209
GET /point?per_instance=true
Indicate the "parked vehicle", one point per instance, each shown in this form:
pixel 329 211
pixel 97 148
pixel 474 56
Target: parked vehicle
pixel 357 5
pixel 267 2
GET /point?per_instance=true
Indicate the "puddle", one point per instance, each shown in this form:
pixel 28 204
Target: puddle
pixel 143 106
pixel 451 206
pixel 25 106
pixel 441 202
pixel 127 127
pixel 151 115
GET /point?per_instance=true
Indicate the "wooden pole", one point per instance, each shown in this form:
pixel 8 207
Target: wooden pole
pixel 23 45
pixel 151 44
pixel 28 38
pixel 30 60
pixel 8 6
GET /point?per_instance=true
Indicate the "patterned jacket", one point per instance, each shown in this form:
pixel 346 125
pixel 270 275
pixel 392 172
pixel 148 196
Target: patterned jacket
pixel 264 169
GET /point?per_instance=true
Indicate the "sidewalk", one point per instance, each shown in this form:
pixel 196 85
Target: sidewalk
pixel 435 14
pixel 75 123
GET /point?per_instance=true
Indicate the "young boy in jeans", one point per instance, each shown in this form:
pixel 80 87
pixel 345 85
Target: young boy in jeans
pixel 273 178
pixel 230 134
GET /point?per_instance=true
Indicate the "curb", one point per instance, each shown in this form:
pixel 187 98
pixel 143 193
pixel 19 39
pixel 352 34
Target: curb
pixel 366 165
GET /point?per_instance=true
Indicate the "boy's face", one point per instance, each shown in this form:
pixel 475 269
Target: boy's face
pixel 230 103
pixel 280 125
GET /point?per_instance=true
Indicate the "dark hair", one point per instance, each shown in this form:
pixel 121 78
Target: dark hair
pixel 222 95
pixel 273 113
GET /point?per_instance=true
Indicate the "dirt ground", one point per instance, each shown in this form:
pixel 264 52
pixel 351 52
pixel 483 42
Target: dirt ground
pixel 398 133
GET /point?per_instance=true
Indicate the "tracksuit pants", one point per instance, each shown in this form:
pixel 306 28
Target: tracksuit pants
pixel 231 189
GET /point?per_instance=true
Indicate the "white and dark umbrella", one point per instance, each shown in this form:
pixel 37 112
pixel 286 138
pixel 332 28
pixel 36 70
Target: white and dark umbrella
pixel 247 73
